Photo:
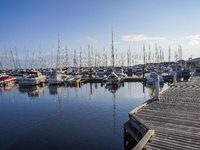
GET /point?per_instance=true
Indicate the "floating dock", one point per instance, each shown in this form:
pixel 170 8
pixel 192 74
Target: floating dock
pixel 172 122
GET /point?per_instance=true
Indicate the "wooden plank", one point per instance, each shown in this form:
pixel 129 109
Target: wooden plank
pixel 127 126
pixel 138 121
pixel 144 140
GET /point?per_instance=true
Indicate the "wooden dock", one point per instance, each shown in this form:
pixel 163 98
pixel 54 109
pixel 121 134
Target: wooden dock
pixel 173 122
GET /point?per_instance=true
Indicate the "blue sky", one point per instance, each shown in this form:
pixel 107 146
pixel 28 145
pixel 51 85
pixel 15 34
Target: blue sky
pixel 89 22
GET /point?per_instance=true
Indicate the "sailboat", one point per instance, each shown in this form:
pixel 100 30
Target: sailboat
pixel 113 78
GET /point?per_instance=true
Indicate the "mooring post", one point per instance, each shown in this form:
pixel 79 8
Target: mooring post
pixel 157 88
pixel 192 73
pixel 174 79
pixel 143 71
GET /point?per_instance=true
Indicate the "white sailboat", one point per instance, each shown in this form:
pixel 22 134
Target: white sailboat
pixel 113 79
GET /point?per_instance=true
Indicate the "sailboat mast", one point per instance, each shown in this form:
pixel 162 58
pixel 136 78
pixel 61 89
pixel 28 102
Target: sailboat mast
pixel 58 54
pixel 144 52
pixel 113 56
pixel 6 57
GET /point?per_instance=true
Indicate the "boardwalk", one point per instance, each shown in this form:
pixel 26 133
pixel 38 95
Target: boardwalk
pixel 175 118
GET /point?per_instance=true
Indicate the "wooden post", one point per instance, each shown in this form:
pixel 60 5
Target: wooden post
pixel 192 73
pixel 143 71
pixel 157 88
pixel 174 79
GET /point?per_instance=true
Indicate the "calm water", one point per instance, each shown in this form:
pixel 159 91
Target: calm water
pixel 59 117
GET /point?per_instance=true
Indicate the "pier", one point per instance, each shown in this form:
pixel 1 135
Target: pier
pixel 172 122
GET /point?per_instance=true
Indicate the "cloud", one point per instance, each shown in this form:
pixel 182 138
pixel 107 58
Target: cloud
pixel 194 39
pixel 91 39
pixel 134 38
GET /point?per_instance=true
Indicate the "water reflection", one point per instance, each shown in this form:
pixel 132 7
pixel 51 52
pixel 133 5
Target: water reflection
pixel 112 89
pixel 69 114
pixel 55 89
pixel 8 88
pixel 33 91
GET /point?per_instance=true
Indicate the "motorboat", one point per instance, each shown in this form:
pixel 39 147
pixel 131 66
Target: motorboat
pixel 7 80
pixel 151 78
pixel 57 78
pixel 33 78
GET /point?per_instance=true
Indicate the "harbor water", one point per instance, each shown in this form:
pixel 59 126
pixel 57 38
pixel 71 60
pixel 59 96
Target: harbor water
pixel 60 117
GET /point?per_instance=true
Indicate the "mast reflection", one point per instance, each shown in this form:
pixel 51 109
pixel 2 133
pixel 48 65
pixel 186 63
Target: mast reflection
pixel 113 90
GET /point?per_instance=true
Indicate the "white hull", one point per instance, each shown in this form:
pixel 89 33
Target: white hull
pixel 151 78
pixel 55 79
pixel 32 79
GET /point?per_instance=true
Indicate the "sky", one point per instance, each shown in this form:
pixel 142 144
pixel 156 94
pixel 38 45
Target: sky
pixel 35 23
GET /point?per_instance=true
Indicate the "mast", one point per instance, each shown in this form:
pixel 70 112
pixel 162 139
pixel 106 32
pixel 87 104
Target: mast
pixel 1 65
pixel 66 57
pixel 6 56
pixel 80 59
pixel 12 58
pixel 89 61
pixel 160 54
pixel 149 54
pixel 17 59
pixel 180 52
pixel 32 62
pixel 169 53
pixel 40 57
pixel 113 56
pixel 75 61
pixel 144 52
pixel 53 63
pixel 58 54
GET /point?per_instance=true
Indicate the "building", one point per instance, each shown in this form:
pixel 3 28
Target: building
pixel 193 63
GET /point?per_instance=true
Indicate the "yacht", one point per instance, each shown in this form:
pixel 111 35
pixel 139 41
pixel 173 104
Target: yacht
pixel 33 78
pixel 57 78
pixel 7 80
